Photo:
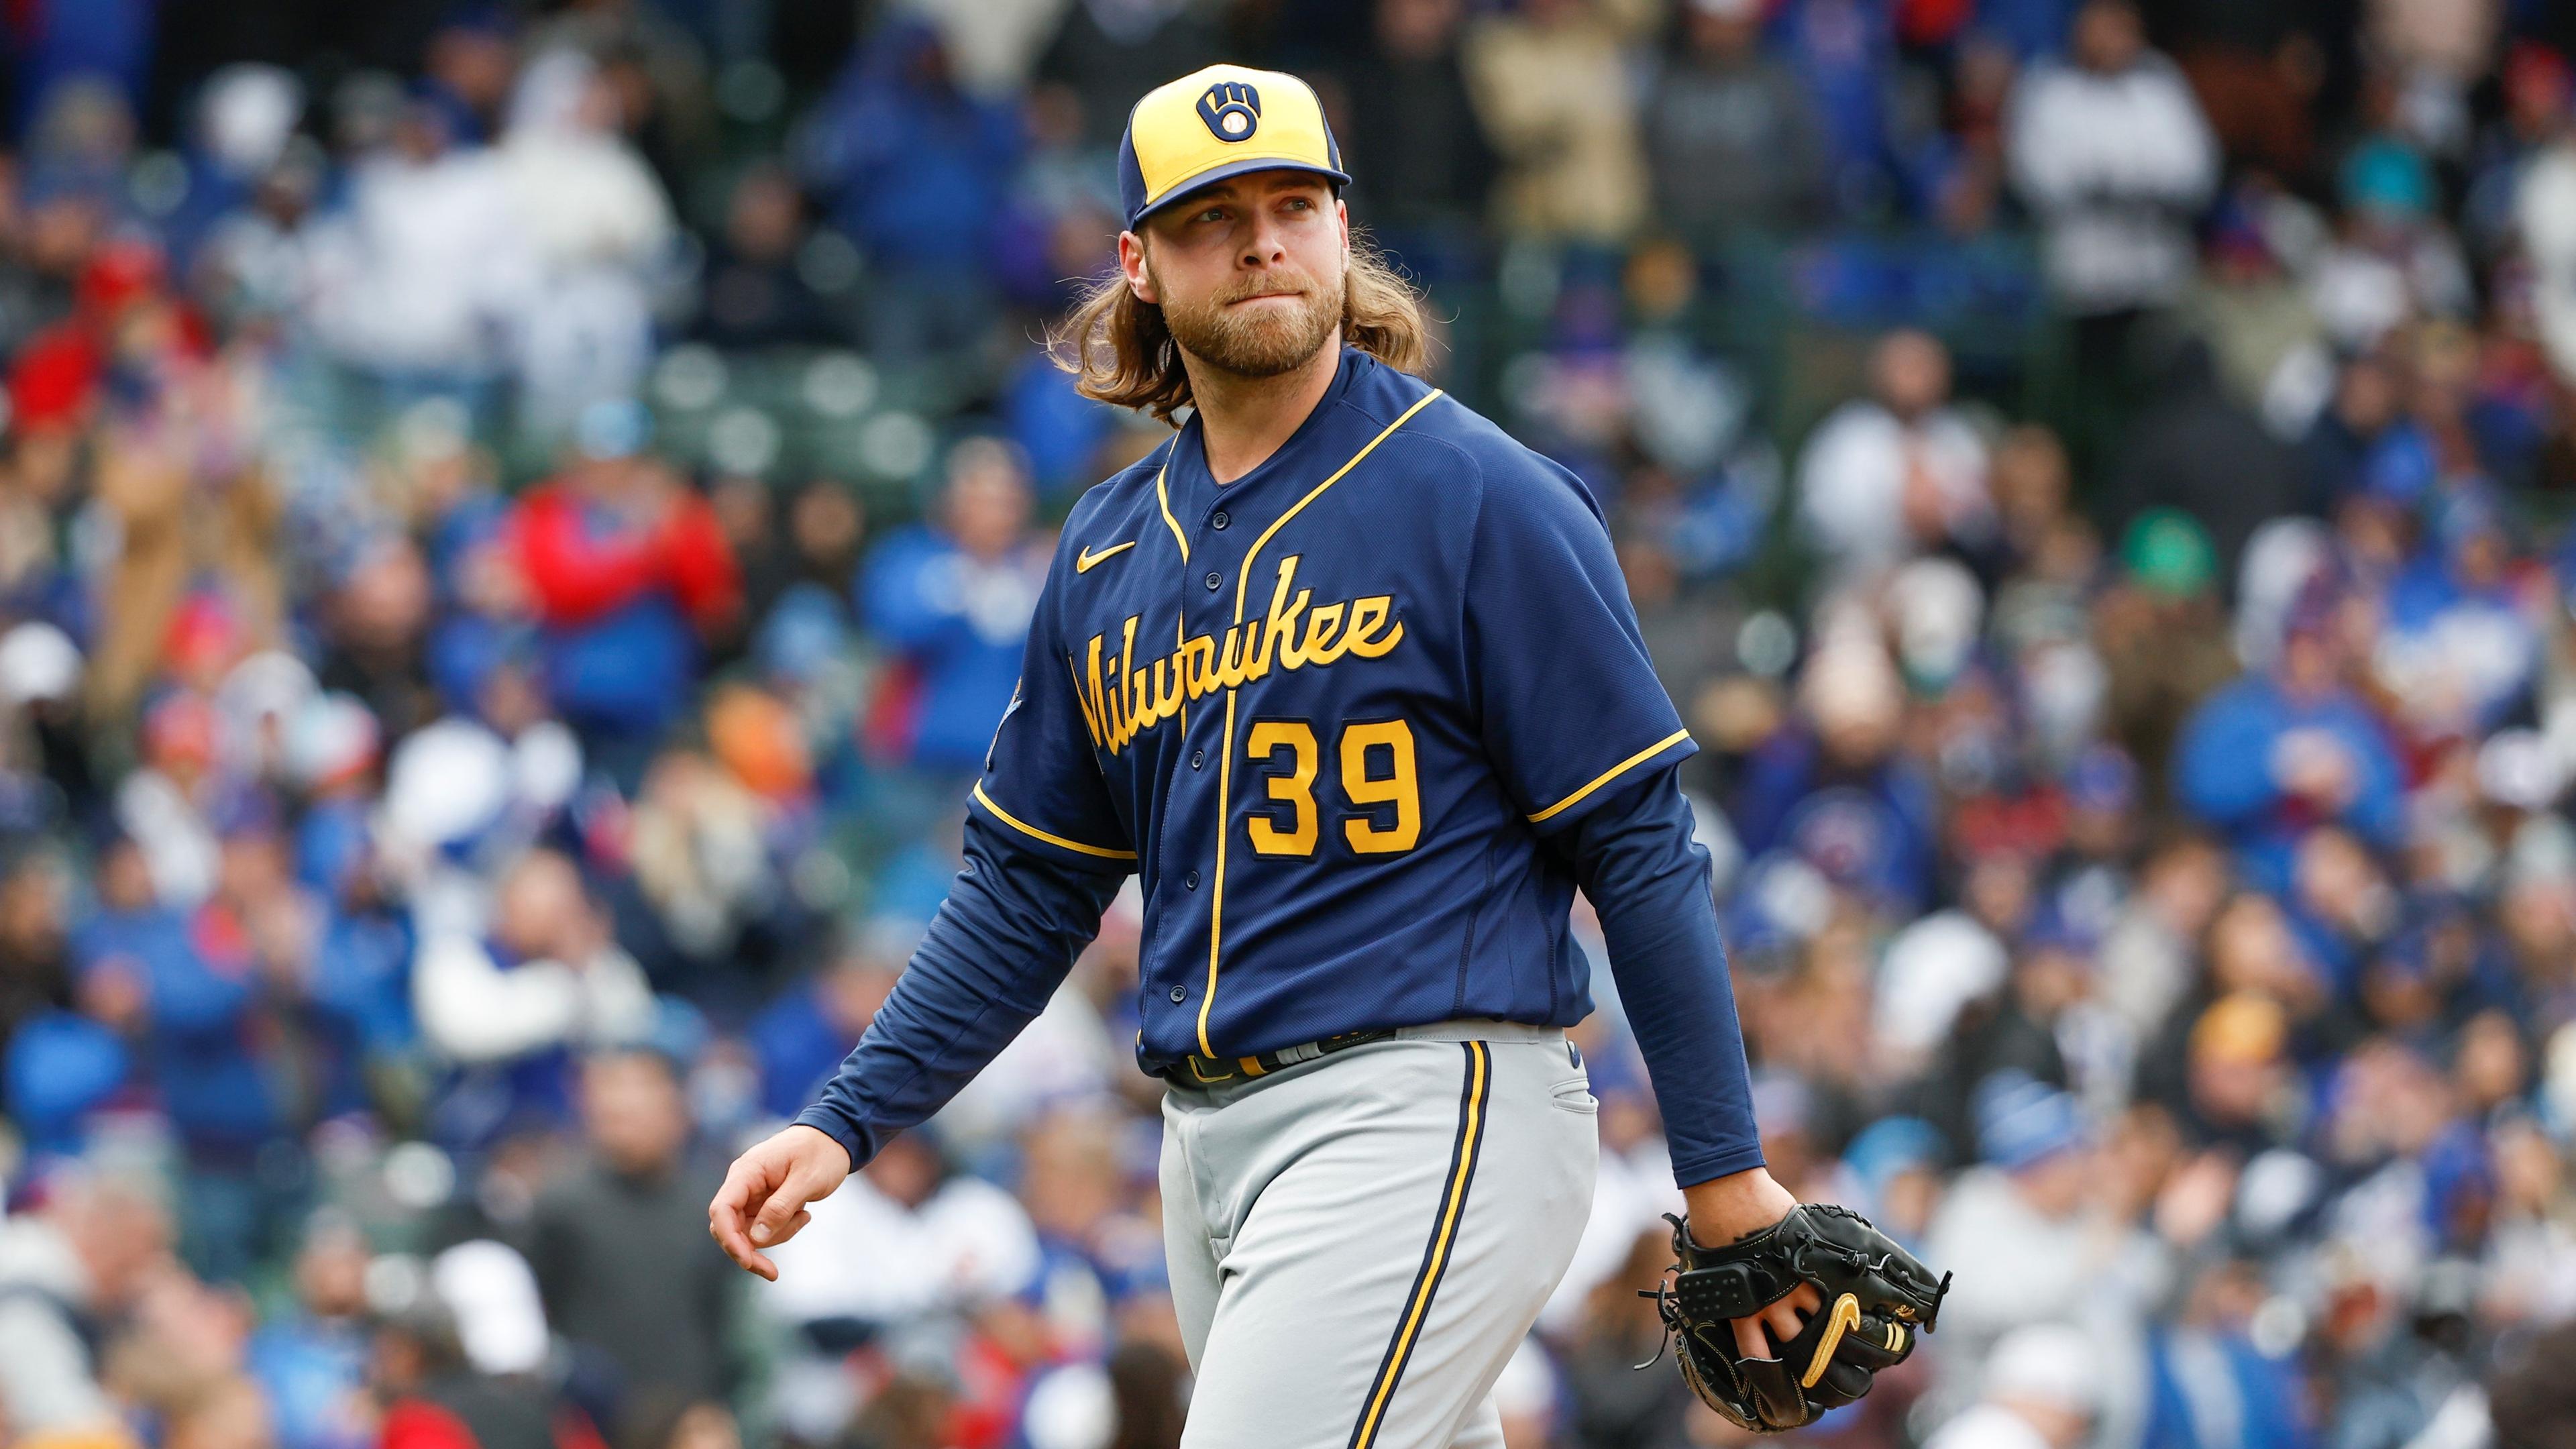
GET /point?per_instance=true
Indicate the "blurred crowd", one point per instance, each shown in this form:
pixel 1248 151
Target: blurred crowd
pixel 517 523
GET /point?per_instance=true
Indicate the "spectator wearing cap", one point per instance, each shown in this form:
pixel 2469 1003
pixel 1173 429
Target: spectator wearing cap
pixel 2162 636
pixel 2460 647
pixel 332 747
pixel 40 677
pixel 2033 1203
pixel 2278 752
pixel 2539 93
pixel 2391 262
pixel 2238 1085
pixel 626 568
pixel 2256 312
pixel 2406 1367
pixel 2084 878
pixel 1899 472
pixel 638 1197
pixel 361 976
pixel 238 132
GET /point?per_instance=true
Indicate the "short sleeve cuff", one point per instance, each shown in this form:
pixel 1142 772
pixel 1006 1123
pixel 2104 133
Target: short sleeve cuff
pixel 1671 749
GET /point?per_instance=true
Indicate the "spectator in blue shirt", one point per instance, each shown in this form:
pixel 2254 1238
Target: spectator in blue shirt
pixel 1835 792
pixel 952 600
pixel 915 170
pixel 2273 755
pixel 312 1362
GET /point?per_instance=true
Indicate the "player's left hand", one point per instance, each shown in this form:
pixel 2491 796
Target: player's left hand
pixel 1727 1208
pixel 1763 1271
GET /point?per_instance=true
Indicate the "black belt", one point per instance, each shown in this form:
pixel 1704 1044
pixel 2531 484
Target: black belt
pixel 1198 1071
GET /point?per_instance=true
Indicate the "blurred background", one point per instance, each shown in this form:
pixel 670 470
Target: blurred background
pixel 518 521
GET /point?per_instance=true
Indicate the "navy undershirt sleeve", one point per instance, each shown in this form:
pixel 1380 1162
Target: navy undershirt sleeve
pixel 999 947
pixel 1648 880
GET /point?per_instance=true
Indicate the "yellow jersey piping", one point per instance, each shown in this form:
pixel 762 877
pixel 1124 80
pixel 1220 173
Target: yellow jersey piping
pixel 1031 831
pixel 1244 579
pixel 1163 498
pixel 1613 773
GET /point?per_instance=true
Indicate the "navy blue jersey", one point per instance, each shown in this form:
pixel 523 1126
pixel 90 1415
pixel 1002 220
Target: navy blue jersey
pixel 1361 720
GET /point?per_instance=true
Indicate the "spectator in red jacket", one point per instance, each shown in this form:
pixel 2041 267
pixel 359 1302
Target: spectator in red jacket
pixel 627 571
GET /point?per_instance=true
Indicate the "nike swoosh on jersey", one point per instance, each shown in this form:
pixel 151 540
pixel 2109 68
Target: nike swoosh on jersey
pixel 1083 561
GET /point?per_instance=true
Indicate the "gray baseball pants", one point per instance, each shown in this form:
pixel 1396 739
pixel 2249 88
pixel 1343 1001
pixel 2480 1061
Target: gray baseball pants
pixel 1359 1242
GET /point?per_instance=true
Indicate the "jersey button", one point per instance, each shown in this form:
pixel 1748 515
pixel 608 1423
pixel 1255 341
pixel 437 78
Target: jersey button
pixel 1191 880
pixel 1180 994
pixel 1198 758
pixel 1218 520
pixel 1215 582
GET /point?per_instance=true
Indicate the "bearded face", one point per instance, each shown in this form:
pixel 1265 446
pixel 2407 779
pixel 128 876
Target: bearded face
pixel 1229 331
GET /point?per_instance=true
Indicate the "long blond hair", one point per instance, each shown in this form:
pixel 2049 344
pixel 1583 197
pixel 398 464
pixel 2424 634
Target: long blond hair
pixel 1120 352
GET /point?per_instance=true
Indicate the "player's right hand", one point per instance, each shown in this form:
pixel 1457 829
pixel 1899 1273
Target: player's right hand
pixel 762 1202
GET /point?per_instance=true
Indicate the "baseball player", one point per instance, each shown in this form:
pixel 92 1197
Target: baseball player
pixel 1350 678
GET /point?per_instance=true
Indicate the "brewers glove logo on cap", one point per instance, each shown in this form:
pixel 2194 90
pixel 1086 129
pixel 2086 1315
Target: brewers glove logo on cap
pixel 1218 123
pixel 1231 109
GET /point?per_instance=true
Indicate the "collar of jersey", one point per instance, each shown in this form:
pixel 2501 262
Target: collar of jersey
pixel 1194 490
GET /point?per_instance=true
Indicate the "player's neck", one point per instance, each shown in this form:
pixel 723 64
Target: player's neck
pixel 1243 420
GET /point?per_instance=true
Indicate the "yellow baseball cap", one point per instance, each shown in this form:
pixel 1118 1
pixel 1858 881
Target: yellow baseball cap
pixel 1220 122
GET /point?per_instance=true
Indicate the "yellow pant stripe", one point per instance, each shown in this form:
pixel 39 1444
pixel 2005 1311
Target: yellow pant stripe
pixel 1444 1235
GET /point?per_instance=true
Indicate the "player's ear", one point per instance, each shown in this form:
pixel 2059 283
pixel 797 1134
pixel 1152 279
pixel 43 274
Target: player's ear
pixel 1131 265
